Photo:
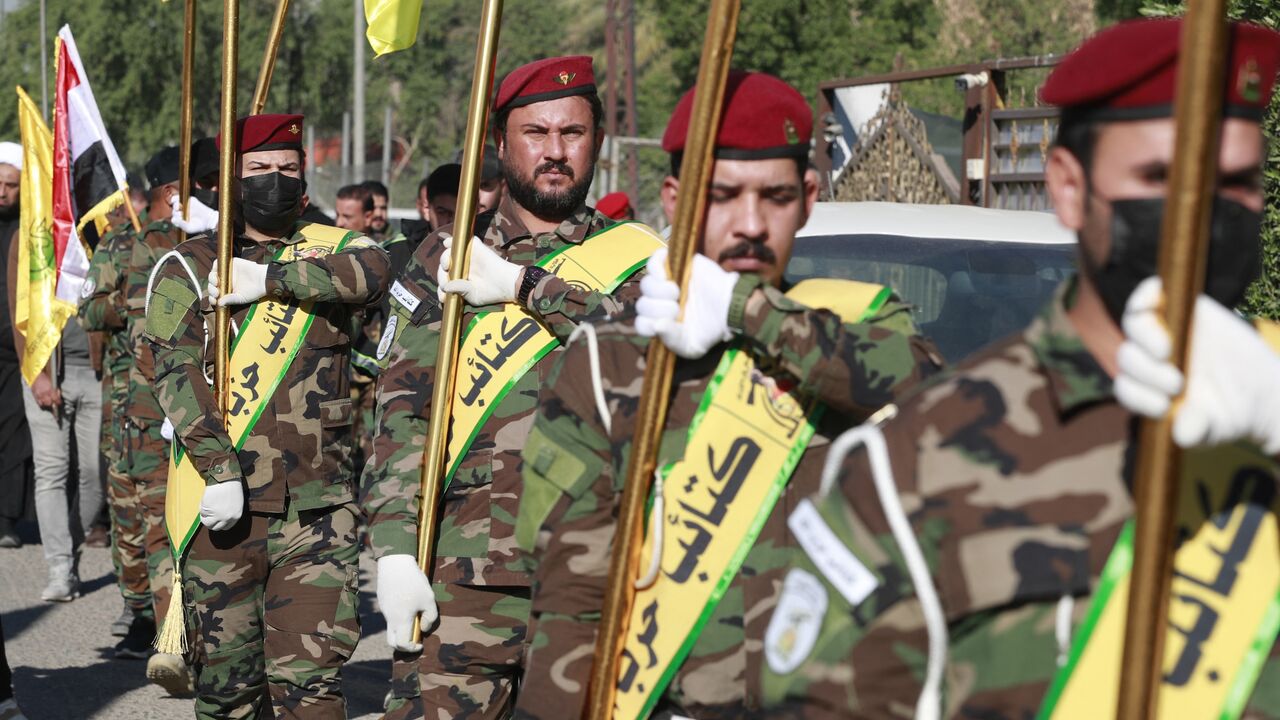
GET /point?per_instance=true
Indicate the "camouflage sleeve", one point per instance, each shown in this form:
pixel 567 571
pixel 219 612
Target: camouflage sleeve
pixel 358 275
pixel 176 332
pixel 561 306
pixel 836 648
pixel 566 524
pixel 403 395
pixel 104 307
pixel 855 368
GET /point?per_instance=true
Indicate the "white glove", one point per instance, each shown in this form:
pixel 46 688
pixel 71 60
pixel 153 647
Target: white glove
pixel 166 430
pixel 403 592
pixel 203 218
pixel 706 314
pixel 248 282
pixel 222 505
pixel 1234 388
pixel 490 278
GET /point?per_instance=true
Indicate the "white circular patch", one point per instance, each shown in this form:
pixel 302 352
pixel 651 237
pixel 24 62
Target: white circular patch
pixel 796 622
pixel 388 334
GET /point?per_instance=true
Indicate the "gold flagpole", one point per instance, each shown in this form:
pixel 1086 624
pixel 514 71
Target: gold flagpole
pixel 1184 245
pixel 184 117
pixel 269 58
pixel 695 175
pixel 451 327
pixel 226 183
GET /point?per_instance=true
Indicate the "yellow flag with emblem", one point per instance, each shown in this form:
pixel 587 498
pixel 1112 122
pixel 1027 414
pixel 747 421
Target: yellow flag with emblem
pixel 39 314
pixel 392 24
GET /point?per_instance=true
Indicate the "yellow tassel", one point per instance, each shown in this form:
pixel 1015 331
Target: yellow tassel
pixel 172 637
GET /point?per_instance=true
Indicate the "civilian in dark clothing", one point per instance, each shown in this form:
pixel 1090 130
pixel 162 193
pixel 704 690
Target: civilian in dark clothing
pixel 16 491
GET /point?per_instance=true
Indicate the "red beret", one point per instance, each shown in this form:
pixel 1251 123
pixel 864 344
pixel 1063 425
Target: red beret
pixel 763 118
pixel 614 205
pixel 543 80
pixel 1129 71
pixel 268 132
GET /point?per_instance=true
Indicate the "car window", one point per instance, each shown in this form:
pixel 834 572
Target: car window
pixel 964 293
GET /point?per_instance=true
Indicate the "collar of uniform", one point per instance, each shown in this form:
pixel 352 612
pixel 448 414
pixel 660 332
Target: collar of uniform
pixel 574 229
pixel 1075 378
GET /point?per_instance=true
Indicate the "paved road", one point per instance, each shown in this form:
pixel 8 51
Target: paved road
pixel 61 653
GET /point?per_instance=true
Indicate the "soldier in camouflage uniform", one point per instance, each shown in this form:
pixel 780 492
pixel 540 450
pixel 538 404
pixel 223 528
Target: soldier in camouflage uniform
pixel 273 575
pixel 1011 475
pixel 575 461
pixel 102 309
pixel 471 663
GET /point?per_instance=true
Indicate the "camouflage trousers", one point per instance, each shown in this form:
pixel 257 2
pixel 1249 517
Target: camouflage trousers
pixel 125 508
pixel 276 608
pixel 471 663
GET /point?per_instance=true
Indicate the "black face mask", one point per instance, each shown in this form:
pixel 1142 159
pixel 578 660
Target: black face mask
pixel 271 202
pixel 1235 252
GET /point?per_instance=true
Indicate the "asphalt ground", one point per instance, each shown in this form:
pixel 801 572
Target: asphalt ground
pixel 61 653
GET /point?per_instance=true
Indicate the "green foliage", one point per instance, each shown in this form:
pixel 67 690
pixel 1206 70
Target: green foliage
pixel 1263 298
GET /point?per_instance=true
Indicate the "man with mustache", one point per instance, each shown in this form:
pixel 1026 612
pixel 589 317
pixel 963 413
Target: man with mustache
pixel 547 123
pixel 751 356
pixel 990 516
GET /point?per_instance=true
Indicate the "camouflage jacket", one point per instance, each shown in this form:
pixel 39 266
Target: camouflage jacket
pixel 476 544
pixel 573 476
pixel 102 306
pixel 300 449
pixel 364 347
pixel 142 408
pixel 1014 471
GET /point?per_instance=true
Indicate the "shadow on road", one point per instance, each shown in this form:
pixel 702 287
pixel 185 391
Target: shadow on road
pixel 18 621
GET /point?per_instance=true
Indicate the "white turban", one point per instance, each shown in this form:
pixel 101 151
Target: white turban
pixel 11 154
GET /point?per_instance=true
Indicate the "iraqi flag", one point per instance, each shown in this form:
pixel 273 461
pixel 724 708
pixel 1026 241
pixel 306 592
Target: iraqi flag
pixel 88 178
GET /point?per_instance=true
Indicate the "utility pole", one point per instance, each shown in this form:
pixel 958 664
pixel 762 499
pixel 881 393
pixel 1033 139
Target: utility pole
pixel 44 63
pixel 357 129
pixel 346 148
pixel 629 49
pixel 611 89
pixel 386 147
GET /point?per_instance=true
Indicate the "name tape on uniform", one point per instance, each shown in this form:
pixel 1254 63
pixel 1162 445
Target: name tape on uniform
pixel 405 296
pixel 841 567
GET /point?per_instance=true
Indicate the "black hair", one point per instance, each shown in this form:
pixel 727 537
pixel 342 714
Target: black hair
pixel 376 188
pixel 1078 134
pixel 443 180
pixel 593 99
pixel 357 192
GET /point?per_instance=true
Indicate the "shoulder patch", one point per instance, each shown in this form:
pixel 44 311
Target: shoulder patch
pixel 841 567
pixel 171 302
pixel 405 297
pixel 796 623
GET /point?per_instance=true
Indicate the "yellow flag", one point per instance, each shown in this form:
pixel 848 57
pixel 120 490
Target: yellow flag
pixel 393 24
pixel 39 314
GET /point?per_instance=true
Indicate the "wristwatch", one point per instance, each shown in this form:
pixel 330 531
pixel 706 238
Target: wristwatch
pixel 532 276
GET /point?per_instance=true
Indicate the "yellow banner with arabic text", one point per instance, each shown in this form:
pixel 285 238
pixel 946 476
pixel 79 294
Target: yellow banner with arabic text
pixel 1224 608
pixel 500 347
pixel 744 443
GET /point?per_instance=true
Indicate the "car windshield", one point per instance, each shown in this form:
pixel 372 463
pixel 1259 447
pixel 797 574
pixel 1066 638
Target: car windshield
pixel 964 293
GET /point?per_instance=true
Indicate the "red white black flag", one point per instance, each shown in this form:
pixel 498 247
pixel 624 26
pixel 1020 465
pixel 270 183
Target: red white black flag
pixel 88 178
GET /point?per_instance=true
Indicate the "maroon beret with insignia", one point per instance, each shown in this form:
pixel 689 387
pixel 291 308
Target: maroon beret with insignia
pixel 543 80
pixel 1129 71
pixel 763 118
pixel 268 132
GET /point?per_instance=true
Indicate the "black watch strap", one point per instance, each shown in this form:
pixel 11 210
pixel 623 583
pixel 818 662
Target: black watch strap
pixel 532 276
